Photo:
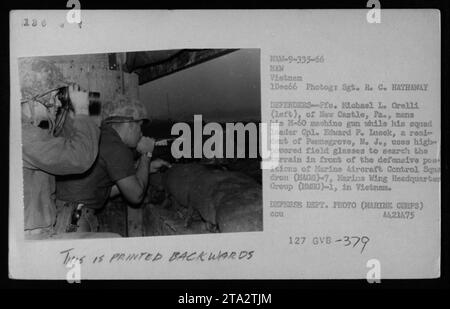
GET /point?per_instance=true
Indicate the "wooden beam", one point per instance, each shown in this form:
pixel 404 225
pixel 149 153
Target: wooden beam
pixel 135 222
pixel 182 60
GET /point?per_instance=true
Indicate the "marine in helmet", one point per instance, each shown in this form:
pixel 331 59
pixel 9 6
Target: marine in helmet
pixel 114 171
pixel 45 151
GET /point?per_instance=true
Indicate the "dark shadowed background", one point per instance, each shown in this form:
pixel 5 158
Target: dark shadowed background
pixel 226 88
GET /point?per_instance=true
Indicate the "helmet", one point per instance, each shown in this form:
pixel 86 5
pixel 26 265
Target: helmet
pixel 38 76
pixel 123 109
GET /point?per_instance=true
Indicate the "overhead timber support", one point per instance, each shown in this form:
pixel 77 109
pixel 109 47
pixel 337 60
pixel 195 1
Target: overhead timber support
pixel 141 62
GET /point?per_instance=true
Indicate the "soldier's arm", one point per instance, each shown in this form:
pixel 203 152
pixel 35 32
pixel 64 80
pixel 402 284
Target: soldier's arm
pixel 72 154
pixel 134 187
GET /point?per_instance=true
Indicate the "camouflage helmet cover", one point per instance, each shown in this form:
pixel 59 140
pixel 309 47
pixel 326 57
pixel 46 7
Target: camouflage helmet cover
pixel 123 109
pixel 37 76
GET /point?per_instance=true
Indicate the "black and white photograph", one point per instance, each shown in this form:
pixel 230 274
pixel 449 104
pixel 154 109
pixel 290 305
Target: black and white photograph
pixel 97 139
pixel 225 145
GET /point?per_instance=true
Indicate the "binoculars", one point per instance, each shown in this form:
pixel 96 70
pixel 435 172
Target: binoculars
pixel 64 97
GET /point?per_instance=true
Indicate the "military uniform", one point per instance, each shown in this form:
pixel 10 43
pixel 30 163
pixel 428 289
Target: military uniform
pixel 44 155
pixel 115 162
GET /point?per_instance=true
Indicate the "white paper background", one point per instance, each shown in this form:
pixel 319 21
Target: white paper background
pixel 405 47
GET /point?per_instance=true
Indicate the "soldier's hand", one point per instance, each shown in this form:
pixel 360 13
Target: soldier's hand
pixel 145 145
pixel 79 99
pixel 157 164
